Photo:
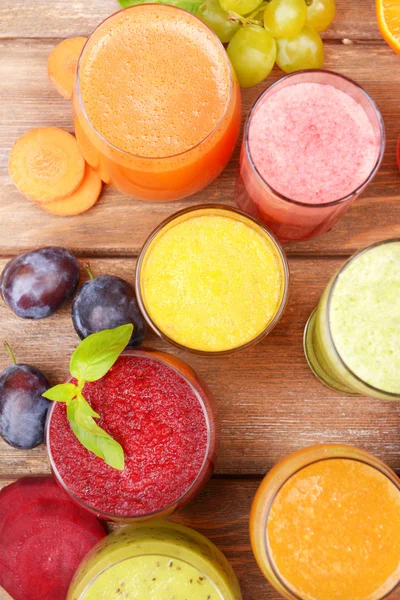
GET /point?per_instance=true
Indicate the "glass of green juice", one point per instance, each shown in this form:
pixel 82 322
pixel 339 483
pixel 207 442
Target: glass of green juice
pixel 160 560
pixel 352 339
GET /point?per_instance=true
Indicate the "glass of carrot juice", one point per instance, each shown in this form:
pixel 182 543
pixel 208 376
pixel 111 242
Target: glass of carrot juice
pixel 325 525
pixel 156 104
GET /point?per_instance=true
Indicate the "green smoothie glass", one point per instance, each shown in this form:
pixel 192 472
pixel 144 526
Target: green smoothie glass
pixel 155 561
pixel 352 339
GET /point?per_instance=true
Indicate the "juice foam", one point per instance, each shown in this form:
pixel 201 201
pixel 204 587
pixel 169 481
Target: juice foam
pixel 364 314
pixel 153 577
pixel 312 143
pixel 334 531
pixel 152 84
pixel 212 283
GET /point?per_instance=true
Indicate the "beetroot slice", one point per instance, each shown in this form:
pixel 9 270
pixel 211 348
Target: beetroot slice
pixel 24 491
pixel 42 545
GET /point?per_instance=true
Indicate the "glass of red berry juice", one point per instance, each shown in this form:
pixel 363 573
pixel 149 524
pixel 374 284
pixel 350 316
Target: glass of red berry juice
pixel 156 407
pixel 312 142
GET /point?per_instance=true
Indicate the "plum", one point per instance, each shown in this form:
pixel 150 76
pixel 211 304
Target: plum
pixel 106 302
pixel 36 284
pixel 23 409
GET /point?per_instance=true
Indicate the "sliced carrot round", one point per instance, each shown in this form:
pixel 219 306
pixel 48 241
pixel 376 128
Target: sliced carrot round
pixel 62 65
pixel 46 164
pixel 81 200
pixel 388 14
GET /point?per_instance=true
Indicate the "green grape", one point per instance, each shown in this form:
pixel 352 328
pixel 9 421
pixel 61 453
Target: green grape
pixel 252 52
pixel 285 18
pixel 260 15
pixel 241 7
pixel 302 51
pixel 320 13
pixel 213 15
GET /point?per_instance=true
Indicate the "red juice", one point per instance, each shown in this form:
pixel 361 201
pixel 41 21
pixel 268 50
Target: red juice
pixel 312 143
pixel 155 407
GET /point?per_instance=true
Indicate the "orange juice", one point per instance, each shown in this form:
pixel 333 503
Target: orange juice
pixel 331 530
pixel 156 105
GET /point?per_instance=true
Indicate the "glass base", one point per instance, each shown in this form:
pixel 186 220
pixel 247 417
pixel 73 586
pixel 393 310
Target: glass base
pixel 315 364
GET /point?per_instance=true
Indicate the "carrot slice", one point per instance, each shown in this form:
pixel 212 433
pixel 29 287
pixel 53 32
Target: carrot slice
pixel 62 65
pixel 46 164
pixel 81 200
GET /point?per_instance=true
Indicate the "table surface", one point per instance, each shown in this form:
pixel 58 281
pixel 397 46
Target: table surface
pixel 269 401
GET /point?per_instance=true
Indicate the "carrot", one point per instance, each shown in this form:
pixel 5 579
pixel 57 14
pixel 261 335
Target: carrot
pixel 62 65
pixel 81 200
pixel 46 164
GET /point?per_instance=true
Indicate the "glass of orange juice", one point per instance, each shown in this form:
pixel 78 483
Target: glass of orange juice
pixel 325 525
pixel 156 104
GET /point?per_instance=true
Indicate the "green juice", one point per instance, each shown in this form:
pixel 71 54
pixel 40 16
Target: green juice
pixel 157 561
pixel 153 577
pixel 352 340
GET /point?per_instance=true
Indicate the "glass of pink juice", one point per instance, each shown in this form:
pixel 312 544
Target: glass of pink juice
pixel 312 143
pixel 154 405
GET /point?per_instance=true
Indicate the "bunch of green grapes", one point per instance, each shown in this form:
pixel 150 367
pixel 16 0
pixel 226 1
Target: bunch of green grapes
pixel 260 33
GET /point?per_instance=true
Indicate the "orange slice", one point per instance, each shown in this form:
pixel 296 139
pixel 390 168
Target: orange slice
pixel 388 14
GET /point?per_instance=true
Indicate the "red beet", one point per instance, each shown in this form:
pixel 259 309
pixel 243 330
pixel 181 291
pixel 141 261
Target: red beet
pixel 44 537
pixel 23 492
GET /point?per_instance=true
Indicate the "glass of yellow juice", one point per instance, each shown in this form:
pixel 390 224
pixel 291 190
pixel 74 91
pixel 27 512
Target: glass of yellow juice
pixel 212 280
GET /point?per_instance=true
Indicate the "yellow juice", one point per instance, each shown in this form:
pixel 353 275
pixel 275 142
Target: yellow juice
pixel 212 280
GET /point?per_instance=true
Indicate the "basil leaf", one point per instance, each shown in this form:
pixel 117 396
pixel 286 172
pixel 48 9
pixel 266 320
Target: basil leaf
pixel 96 440
pixel 96 354
pixel 65 392
pixel 191 6
pixel 84 414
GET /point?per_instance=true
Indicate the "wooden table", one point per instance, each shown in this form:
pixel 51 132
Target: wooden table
pixel 270 403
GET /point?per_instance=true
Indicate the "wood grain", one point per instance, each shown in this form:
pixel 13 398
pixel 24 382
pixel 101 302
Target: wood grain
pixel 66 18
pixel 270 403
pixel 118 225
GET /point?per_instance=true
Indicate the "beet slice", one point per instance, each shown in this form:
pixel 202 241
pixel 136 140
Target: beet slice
pixel 43 542
pixel 24 491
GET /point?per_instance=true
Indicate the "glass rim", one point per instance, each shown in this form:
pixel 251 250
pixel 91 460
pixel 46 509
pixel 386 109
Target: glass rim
pixel 141 555
pixel 169 156
pixel 360 187
pixel 340 455
pixel 392 395
pixel 102 514
pixel 231 209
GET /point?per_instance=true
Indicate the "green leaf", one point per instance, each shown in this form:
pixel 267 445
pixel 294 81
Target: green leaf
pixel 96 354
pixel 191 6
pixel 65 392
pixel 80 416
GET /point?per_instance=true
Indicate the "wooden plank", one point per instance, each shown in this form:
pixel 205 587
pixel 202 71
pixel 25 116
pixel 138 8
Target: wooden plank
pixel 221 513
pixel 269 401
pixel 65 18
pixel 119 225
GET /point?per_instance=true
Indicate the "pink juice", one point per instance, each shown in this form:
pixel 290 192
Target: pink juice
pixel 312 143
